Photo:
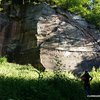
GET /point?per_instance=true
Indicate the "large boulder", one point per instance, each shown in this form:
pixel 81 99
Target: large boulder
pixel 18 39
pixel 18 33
pixel 43 36
pixel 69 41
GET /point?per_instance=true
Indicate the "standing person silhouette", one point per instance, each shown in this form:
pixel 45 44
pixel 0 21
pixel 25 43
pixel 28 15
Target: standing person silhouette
pixel 86 78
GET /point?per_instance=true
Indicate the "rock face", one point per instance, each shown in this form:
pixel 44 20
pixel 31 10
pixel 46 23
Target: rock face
pixel 40 34
pixel 70 39
pixel 18 39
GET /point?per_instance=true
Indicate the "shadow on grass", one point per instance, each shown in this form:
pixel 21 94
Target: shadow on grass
pixel 56 88
pixel 95 90
pixel 95 87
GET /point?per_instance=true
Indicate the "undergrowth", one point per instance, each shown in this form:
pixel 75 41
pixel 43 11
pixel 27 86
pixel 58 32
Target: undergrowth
pixel 19 82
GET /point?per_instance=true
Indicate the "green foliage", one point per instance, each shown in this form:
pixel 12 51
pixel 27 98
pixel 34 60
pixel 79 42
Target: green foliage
pixel 61 3
pixel 83 8
pixel 66 3
pixel 1 9
pixel 59 66
pixel 77 6
pixel 3 60
pixel 19 82
pixel 96 81
pixel 96 15
pixel 80 10
pixel 23 83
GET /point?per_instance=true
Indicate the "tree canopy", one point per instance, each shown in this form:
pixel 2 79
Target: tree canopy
pixel 89 9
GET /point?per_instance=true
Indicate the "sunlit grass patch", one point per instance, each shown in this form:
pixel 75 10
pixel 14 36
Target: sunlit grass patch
pixel 18 71
pixel 95 83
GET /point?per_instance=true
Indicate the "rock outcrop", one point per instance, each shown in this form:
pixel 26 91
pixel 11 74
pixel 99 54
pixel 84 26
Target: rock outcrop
pixel 38 34
pixel 18 31
pixel 70 39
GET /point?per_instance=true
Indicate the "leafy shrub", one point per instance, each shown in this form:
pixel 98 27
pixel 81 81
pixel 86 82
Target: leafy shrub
pixel 83 7
pixel 91 15
pixel 3 60
pixel 95 85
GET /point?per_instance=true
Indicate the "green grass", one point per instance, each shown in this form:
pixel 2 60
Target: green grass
pixel 26 83
pixel 19 82
pixel 95 82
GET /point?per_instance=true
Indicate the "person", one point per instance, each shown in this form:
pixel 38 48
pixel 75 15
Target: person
pixel 86 78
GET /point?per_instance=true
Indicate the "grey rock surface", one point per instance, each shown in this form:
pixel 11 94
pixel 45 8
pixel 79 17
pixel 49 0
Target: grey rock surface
pixel 40 34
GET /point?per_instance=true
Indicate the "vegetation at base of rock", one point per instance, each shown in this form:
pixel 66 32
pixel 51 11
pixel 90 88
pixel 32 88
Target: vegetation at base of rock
pixel 19 82
pixel 22 83
pixel 3 60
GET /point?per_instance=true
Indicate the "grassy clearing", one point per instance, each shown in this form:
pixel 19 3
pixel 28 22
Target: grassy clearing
pixel 26 83
pixel 19 82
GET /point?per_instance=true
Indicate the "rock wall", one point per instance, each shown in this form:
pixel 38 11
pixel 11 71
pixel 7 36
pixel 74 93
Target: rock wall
pixel 17 35
pixel 39 34
pixel 72 41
